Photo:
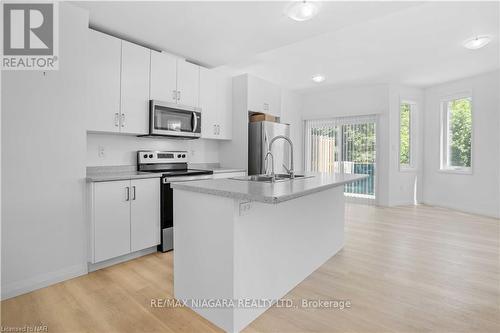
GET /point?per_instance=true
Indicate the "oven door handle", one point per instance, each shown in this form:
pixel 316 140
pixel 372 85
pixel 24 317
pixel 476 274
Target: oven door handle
pixel 195 121
pixel 185 179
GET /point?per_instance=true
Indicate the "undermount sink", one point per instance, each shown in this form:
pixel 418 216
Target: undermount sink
pixel 256 178
pixel 267 178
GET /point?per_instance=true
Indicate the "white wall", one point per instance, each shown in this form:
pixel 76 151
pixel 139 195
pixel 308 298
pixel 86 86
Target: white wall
pixel 405 186
pixel 479 192
pixel 234 153
pixel 121 149
pixel 355 101
pixel 346 101
pixel 291 106
pixel 43 166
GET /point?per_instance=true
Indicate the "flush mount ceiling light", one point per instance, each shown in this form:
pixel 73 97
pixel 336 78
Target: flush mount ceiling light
pixel 477 42
pixel 302 10
pixel 318 78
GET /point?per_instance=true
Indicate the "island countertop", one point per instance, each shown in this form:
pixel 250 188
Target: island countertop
pixel 265 191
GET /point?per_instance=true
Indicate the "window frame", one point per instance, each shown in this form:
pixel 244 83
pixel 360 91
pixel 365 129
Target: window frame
pixel 444 166
pixel 412 166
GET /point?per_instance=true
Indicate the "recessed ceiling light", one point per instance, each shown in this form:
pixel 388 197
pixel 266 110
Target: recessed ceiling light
pixel 477 42
pixel 318 78
pixel 302 10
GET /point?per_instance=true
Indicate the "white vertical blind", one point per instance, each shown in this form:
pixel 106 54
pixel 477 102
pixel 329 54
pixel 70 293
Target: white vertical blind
pixel 343 145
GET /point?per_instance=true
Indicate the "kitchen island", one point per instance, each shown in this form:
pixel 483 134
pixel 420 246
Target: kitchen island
pixel 239 246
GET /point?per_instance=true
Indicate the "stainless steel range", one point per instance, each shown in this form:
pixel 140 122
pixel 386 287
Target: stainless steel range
pixel 174 168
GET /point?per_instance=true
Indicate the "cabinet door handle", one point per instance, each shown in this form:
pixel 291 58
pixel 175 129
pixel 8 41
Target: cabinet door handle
pixel 127 193
pixel 178 95
pixel 117 119
pixel 123 120
pixel 174 95
pixel 215 129
pixel 218 129
pixel 133 192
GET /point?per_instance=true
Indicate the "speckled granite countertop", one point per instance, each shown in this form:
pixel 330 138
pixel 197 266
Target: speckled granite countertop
pixel 215 167
pixel 268 192
pixel 124 172
pixel 227 170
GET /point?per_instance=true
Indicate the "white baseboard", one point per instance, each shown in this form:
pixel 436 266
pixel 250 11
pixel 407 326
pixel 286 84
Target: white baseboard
pixel 356 200
pixel 123 258
pixel 461 209
pixel 47 279
pixel 401 203
pixel 43 280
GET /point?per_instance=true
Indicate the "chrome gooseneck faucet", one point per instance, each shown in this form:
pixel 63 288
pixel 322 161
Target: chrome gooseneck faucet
pixel 290 171
pixel 269 154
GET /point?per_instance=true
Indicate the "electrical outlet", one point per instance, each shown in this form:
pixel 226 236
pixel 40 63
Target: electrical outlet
pixel 245 207
pixel 100 152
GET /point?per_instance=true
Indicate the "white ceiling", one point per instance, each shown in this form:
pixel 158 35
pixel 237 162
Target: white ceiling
pixel 412 43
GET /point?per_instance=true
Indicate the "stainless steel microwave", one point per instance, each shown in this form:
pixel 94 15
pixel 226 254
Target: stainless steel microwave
pixel 174 120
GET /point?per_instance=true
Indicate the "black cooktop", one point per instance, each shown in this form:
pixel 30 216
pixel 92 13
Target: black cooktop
pixel 186 172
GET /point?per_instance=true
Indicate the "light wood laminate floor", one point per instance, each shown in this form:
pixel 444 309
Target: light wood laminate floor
pixel 405 269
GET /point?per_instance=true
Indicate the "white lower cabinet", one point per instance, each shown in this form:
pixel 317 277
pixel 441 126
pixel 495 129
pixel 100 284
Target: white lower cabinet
pixel 144 214
pixel 111 219
pixel 125 217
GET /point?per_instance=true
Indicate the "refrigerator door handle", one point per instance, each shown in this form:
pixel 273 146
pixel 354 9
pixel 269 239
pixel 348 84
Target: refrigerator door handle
pixel 266 142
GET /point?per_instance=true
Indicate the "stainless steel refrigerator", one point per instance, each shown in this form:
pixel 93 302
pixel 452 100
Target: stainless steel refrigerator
pixel 259 135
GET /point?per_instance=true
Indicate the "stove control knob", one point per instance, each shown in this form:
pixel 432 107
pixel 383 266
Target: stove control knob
pixel 150 155
pixel 183 155
pixel 179 156
pixel 145 155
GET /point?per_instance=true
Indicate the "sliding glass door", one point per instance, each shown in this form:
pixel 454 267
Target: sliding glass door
pixel 344 145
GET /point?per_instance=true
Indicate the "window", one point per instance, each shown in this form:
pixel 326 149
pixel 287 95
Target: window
pixel 456 135
pixel 344 145
pixel 406 111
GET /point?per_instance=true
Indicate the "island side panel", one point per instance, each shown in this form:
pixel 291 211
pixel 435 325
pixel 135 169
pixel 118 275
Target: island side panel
pixel 278 245
pixel 203 252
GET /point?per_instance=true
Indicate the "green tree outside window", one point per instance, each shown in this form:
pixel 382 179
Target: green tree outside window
pixel 459 132
pixel 404 134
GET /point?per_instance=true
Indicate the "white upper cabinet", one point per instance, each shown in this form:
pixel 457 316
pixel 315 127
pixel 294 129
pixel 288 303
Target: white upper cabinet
pixel 174 80
pixel 188 83
pixel 224 107
pixel 103 85
pixel 263 96
pixel 123 77
pixel 134 89
pixel 215 104
pixel 208 103
pixel 118 85
pixel 163 77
